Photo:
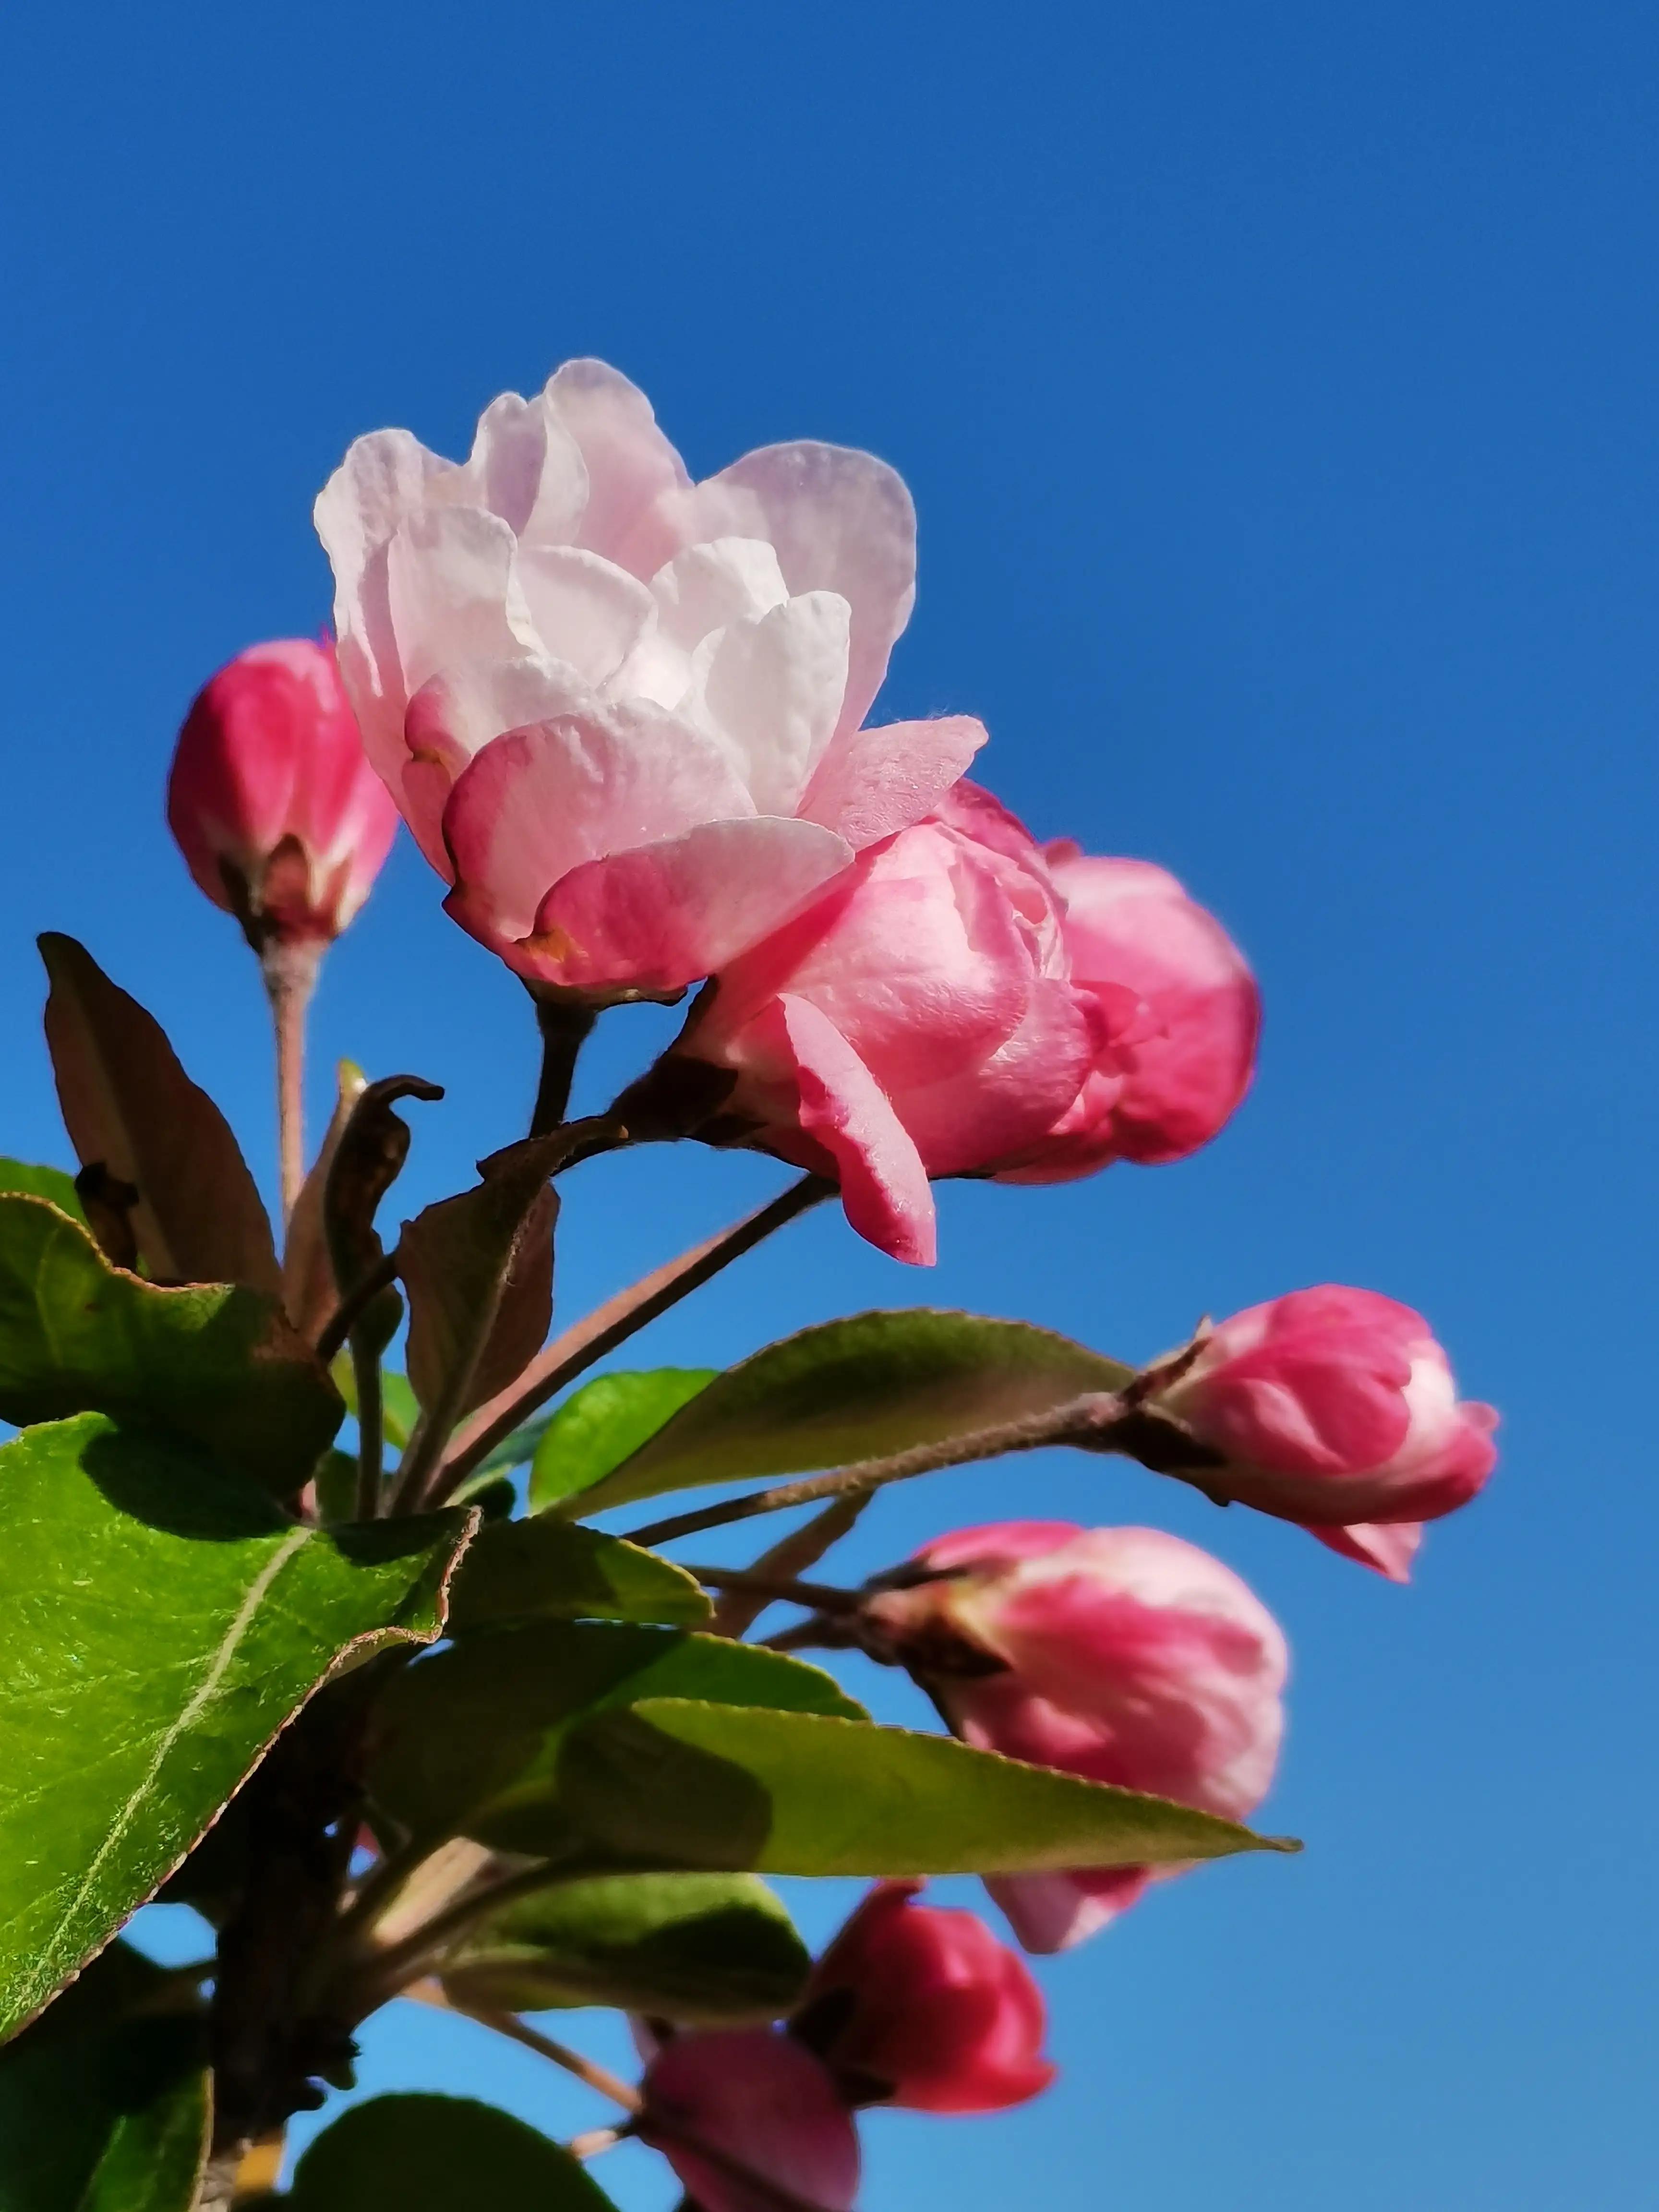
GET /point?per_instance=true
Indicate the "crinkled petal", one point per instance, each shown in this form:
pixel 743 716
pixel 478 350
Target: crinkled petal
pixel 770 686
pixel 541 801
pixel 657 918
pixel 632 469
pixel 841 521
pixel 588 613
pixel 884 1184
pixel 873 782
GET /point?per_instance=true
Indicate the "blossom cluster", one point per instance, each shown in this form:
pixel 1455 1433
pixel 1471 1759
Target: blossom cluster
pixel 625 718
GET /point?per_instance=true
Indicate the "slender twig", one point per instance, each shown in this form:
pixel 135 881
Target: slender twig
pixel 1084 1418
pixel 594 2141
pixel 366 1288
pixel 736 1613
pixel 585 2070
pixel 610 1325
pixel 290 973
pixel 746 1582
pixel 371 1425
pixel 565 1029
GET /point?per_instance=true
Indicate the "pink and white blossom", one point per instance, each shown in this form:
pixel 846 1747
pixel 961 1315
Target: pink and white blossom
pixel 279 816
pixel 1122 1655
pixel 1336 1407
pixel 622 711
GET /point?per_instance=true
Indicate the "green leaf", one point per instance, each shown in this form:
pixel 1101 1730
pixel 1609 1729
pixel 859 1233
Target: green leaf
pixel 425 2154
pixel 472 1733
pixel 50 1183
pixel 104 2102
pixel 605 1423
pixel 128 1104
pixel 680 1782
pixel 707 1950
pixel 163 1622
pixel 212 1362
pixel 520 1571
pixel 856 1389
pixel 517 1449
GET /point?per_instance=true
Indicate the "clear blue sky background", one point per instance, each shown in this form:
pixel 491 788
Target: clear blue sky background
pixel 1277 386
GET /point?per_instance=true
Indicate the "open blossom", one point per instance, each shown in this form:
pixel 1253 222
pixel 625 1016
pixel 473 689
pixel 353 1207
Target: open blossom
pixel 1122 1655
pixel 922 2006
pixel 1334 1406
pixel 961 1002
pixel 281 819
pixel 764 2101
pixel 620 711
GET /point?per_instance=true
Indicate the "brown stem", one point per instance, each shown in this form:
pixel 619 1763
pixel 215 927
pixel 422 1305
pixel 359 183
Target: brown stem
pixel 565 1029
pixel 290 973
pixel 364 1293
pixel 383 1973
pixel 585 2070
pixel 747 1582
pixel 736 1613
pixel 612 1324
pixel 1083 1419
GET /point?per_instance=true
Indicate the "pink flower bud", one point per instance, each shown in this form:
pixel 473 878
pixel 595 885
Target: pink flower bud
pixel 282 820
pixel 764 2102
pixel 1122 1655
pixel 924 2007
pixel 1336 1406
pixel 1179 1016
pixel 620 711
pixel 917 1021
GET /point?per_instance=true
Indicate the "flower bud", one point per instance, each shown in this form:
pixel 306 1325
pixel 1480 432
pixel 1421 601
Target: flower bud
pixel 722 2105
pixel 280 818
pixel 1335 1407
pixel 912 2005
pixel 1122 1655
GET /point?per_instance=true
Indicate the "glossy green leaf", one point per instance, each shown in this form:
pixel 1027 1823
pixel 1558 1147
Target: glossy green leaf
pixel 676 1782
pixel 128 1104
pixel 707 1949
pixel 104 2101
pixel 163 1621
pixel 210 1362
pixel 426 2154
pixel 542 1569
pixel 856 1389
pixel 50 1183
pixel 472 1735
pixel 605 1423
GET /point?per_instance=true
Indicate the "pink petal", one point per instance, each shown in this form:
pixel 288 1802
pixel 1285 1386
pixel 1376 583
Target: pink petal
pixel 728 579
pixel 841 521
pixel 525 467
pixel 1051 1912
pixel 587 612
pixel 632 469
pixel 771 687
pixel 538 802
pixel 986 1114
pixel 884 1185
pixel 764 2101
pixel 660 916
pixel 1388 1546
pixel 871 782
pixel 450 592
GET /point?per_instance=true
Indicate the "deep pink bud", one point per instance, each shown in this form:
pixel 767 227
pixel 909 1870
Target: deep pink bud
pixel 1336 1406
pixel 1122 1655
pixel 281 818
pixel 765 2102
pixel 915 1021
pixel 924 2007
pixel 1178 1012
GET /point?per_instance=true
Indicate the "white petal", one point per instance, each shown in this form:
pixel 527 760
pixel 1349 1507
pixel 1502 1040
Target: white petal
pixel 453 715
pixel 771 688
pixel 587 612
pixel 632 469
pixel 706 587
pixel 526 467
pixel 452 595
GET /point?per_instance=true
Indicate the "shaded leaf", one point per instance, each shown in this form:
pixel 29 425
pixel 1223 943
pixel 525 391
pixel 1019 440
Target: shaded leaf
pixel 104 2102
pixel 856 1389
pixel 399 1407
pixel 426 2154
pixel 471 1732
pixel 216 1364
pixel 478 1272
pixel 702 1948
pixel 694 1784
pixel 517 1449
pixel 309 1291
pixel 605 1423
pixel 163 1621
pixel 541 1569
pixel 50 1183
pixel 128 1104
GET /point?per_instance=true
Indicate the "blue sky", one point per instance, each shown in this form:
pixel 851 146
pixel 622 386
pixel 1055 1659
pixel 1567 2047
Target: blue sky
pixel 1276 384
